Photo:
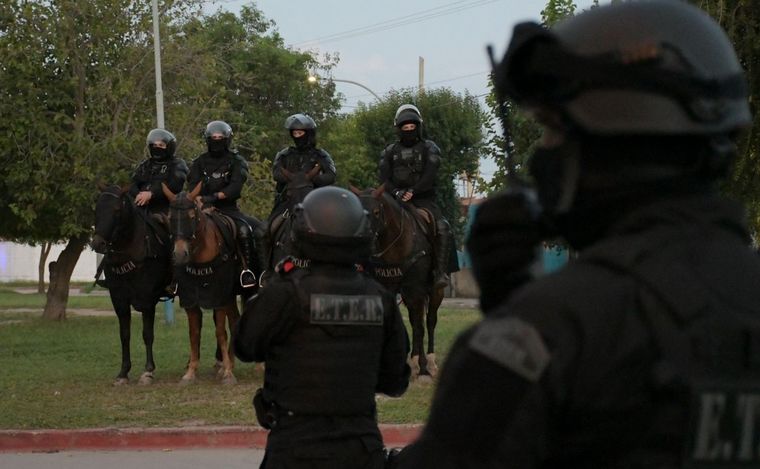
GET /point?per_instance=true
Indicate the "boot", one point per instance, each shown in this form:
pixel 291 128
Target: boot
pixel 441 250
pixel 247 277
pixel 261 235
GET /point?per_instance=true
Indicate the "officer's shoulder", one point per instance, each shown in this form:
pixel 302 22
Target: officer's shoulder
pixel 283 152
pixel 323 153
pixel 432 147
pixel 238 157
pixel 388 149
pixel 177 161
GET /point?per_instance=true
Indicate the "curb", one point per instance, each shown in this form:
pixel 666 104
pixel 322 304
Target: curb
pixel 20 441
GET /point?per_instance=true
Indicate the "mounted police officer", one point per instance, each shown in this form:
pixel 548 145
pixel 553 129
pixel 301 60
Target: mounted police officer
pixel 223 173
pixel 642 351
pixel 409 170
pixel 302 156
pixel 160 166
pixel 331 337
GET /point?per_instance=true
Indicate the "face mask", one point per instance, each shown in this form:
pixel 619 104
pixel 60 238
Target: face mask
pixel 301 142
pixel 216 147
pixel 409 137
pixel 158 153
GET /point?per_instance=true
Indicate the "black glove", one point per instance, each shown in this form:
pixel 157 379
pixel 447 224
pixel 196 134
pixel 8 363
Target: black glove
pixel 208 199
pixel 399 194
pixel 503 243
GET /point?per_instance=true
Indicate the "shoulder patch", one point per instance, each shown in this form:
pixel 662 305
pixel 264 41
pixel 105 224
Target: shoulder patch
pixel 432 147
pixel 514 344
pixel 347 310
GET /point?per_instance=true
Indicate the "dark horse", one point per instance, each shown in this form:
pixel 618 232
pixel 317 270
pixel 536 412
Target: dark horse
pixel 136 265
pixel 278 230
pixel 207 267
pixel 403 262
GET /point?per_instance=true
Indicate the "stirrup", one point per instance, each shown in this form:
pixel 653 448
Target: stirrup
pixel 249 283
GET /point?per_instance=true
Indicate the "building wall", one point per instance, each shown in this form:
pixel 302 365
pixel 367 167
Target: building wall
pixel 20 261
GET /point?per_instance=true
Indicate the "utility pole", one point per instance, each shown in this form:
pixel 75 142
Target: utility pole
pixel 421 88
pixel 157 56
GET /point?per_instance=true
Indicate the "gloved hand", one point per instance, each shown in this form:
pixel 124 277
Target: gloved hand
pixel 399 194
pixel 503 243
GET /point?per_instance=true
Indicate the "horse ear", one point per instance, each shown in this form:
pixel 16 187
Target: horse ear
pixel 379 191
pixel 124 189
pixel 355 189
pixel 192 195
pixel 168 192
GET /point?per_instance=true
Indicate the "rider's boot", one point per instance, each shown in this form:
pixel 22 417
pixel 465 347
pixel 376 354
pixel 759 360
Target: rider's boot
pixel 441 250
pixel 247 277
pixel 261 236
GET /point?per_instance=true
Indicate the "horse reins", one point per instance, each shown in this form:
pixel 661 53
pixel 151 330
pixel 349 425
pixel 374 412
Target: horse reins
pixel 385 225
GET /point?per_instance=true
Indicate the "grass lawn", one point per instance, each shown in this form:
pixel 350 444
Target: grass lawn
pixel 60 374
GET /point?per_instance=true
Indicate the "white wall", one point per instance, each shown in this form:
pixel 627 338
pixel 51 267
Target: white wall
pixel 19 262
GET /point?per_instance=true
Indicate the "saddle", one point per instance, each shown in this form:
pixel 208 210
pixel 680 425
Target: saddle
pixel 425 220
pixel 226 226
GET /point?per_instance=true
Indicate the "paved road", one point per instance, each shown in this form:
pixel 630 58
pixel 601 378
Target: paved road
pixel 175 459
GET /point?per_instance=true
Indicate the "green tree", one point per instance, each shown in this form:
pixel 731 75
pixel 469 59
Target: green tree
pixel 80 97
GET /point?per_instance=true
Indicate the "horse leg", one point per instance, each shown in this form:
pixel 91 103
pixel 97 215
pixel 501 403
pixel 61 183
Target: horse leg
pixel 148 318
pixel 221 339
pixel 124 313
pixel 434 302
pixel 416 307
pixel 194 320
pixel 218 365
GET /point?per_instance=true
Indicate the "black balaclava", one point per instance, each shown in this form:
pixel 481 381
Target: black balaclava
pixel 216 148
pixel 409 138
pixel 306 141
pixel 158 154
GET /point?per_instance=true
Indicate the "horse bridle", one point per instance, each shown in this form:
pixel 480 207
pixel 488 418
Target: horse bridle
pixel 381 217
pixel 114 235
pixel 177 227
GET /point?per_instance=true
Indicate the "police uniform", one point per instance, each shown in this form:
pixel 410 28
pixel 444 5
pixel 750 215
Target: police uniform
pixel 331 337
pixel 149 175
pixel 590 367
pixel 296 160
pixel 412 168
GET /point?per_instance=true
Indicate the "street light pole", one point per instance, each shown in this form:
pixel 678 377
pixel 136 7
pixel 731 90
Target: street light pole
pixel 157 56
pixel 313 79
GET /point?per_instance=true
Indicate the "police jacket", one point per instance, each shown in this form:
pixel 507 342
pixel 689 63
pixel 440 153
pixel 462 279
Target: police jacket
pixel 641 353
pixel 226 173
pixel 331 338
pixel 295 160
pixel 414 168
pixel 149 175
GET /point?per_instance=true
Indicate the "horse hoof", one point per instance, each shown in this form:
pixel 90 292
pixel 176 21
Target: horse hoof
pixel 218 365
pixel 425 379
pixel 121 381
pixel 432 366
pixel 414 364
pixel 146 379
pixel 187 381
pixel 229 380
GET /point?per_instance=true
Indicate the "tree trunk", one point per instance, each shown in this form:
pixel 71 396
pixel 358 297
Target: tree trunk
pixel 44 252
pixel 60 277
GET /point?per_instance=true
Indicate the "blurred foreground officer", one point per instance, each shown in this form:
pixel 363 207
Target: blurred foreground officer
pixel 331 338
pixel 645 351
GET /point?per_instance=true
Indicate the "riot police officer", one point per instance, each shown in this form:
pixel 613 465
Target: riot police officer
pixel 641 351
pixel 409 170
pixel 331 337
pixel 223 173
pixel 302 156
pixel 160 166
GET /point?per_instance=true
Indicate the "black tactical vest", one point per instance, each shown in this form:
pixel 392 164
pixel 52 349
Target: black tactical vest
pixel 408 163
pixel 216 173
pixel 703 315
pixel 329 363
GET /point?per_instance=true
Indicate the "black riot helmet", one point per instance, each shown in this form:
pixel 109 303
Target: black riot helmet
pixel 330 225
pixel 302 122
pixel 218 146
pixel 161 135
pixel 406 114
pixel 628 81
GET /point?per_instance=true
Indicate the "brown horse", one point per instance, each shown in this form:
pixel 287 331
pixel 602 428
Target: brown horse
pixel 207 266
pixel 403 262
pixel 136 266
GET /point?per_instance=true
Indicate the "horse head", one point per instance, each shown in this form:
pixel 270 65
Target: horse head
pixel 384 213
pixel 184 214
pixel 112 210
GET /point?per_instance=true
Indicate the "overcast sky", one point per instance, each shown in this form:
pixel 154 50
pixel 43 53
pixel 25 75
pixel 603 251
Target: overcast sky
pixel 379 42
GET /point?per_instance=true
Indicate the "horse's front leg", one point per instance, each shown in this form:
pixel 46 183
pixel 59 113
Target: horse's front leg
pixel 418 361
pixel 194 319
pixel 220 314
pixel 148 319
pixel 435 300
pixel 124 313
